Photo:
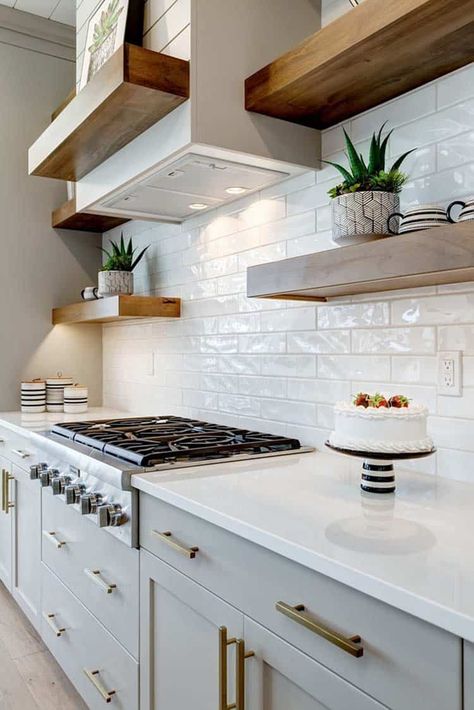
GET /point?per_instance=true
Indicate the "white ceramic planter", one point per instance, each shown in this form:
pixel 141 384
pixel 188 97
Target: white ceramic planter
pixel 112 283
pixel 356 217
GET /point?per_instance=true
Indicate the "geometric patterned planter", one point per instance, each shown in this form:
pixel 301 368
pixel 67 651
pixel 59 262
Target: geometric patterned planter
pixel 359 214
pixel 112 283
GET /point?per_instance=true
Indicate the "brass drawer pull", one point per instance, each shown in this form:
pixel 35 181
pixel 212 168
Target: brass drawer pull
pixel 224 643
pixel 50 620
pixel 95 576
pixel 298 613
pixel 21 453
pixel 189 552
pixel 242 656
pixel 6 505
pixel 51 537
pixel 106 694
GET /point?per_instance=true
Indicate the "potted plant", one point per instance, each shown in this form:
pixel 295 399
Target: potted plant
pixel 369 193
pixel 116 275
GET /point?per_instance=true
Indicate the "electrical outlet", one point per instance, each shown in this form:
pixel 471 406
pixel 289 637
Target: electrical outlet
pixel 450 373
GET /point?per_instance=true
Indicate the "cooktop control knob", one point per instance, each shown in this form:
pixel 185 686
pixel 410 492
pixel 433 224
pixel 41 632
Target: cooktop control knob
pixel 59 484
pixel 36 469
pixel 90 502
pixel 73 492
pixel 111 515
pixel 47 476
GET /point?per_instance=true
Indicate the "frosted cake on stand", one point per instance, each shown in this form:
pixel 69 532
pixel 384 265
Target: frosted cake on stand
pixel 380 430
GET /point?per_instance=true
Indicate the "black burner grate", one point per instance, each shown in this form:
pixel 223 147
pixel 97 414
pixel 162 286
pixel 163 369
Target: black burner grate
pixel 150 441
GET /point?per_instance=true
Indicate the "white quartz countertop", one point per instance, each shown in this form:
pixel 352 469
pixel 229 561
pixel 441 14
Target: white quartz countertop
pixel 19 421
pixel 413 550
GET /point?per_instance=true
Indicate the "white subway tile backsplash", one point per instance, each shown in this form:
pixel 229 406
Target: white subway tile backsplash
pixel 354 367
pixel 279 366
pixel 456 86
pixel 289 319
pixel 292 412
pixel 396 113
pixel 288 365
pixel 262 343
pixel 437 310
pixel 456 151
pixel 394 340
pixel 416 370
pixel 337 341
pixel 354 315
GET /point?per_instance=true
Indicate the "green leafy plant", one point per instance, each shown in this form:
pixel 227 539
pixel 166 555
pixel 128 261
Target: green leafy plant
pixel 121 257
pixel 108 21
pixel 362 176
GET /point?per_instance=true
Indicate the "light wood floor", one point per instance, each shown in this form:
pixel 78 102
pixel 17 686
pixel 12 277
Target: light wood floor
pixel 30 678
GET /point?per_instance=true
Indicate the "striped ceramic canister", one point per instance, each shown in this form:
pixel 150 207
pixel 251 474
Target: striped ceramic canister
pixel 418 218
pixel 33 396
pixel 75 399
pixel 55 392
pixel 467 210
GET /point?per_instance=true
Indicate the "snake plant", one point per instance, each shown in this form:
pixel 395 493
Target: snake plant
pixel 362 176
pixel 122 257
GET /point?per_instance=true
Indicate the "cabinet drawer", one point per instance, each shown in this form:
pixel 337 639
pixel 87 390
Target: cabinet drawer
pixel 81 644
pixel 90 563
pixel 18 449
pixel 406 663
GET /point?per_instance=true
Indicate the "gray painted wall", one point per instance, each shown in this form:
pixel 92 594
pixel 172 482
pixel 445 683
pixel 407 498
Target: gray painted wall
pixel 39 267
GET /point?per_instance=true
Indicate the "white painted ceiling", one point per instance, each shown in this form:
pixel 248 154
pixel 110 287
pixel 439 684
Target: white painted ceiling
pixel 59 10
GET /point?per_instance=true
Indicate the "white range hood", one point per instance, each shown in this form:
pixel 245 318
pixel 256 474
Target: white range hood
pixel 191 158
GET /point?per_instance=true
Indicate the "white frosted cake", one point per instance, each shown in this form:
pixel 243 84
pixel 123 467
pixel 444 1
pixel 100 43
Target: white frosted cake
pixel 377 424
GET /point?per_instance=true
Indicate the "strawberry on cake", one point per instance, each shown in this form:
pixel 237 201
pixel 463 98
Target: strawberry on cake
pixel 377 424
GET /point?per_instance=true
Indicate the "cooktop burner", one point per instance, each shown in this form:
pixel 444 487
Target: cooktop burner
pixel 150 441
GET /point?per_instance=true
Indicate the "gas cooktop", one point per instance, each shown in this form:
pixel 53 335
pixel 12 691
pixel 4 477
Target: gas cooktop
pixel 150 441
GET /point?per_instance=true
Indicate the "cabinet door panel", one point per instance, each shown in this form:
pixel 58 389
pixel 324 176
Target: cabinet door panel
pixel 279 677
pixel 27 544
pixel 179 625
pixel 6 528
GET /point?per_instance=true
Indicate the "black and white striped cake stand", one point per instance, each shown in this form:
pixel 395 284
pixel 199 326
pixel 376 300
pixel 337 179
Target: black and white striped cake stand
pixel 378 473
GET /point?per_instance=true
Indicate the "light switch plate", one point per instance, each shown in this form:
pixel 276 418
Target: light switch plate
pixel 450 373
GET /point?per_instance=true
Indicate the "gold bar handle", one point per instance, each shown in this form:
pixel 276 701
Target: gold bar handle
pixel 6 505
pixel 95 576
pixel 50 620
pixel 51 537
pixel 224 643
pixel 189 552
pixel 21 453
pixel 106 694
pixel 4 497
pixel 298 613
pixel 242 656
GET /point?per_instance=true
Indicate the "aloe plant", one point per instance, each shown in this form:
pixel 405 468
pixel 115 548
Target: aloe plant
pixel 122 257
pixel 362 176
pixel 108 21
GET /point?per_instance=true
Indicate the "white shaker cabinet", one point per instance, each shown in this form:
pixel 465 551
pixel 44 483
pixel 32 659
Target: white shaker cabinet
pixel 26 518
pixel 468 676
pixel 6 524
pixel 280 677
pixel 185 662
pixel 199 652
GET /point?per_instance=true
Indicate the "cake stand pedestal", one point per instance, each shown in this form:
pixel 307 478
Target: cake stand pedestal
pixel 378 473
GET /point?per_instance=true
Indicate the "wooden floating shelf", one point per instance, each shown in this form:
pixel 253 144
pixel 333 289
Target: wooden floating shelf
pixel 442 255
pixel 116 308
pixel 66 217
pixel 132 91
pixel 373 53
